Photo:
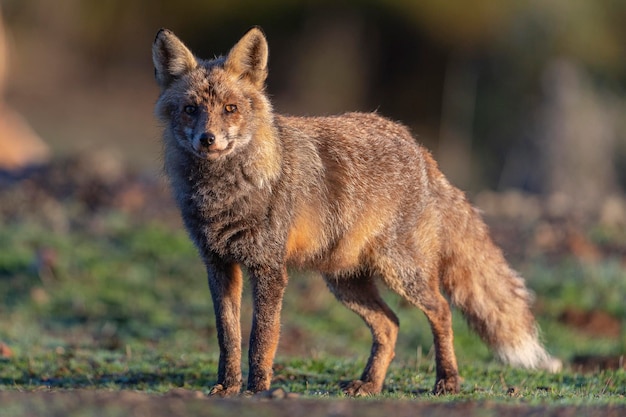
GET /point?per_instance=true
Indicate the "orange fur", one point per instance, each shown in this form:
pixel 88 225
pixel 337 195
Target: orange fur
pixel 303 241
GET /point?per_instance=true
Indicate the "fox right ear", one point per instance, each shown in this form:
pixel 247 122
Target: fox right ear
pixel 171 58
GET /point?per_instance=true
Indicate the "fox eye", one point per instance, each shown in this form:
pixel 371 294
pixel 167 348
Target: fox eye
pixel 230 108
pixel 190 109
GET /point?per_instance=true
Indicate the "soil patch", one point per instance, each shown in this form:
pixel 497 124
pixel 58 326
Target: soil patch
pixel 181 402
pixel 594 323
pixel 596 363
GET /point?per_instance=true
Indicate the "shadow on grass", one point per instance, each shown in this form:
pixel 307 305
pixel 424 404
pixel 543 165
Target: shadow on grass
pixel 145 381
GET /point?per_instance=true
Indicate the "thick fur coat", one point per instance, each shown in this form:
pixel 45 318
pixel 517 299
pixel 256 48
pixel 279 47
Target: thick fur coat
pixel 351 196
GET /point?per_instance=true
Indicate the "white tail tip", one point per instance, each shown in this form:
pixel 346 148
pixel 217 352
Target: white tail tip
pixel 529 354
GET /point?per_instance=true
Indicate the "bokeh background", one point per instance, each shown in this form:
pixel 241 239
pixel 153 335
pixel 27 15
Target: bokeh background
pixel 529 95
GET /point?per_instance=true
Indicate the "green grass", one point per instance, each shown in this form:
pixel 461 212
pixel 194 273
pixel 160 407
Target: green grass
pixel 124 305
pixel 158 373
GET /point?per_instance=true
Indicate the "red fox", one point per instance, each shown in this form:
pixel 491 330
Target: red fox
pixel 351 196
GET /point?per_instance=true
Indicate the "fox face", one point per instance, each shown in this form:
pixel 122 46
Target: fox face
pixel 211 108
pixel 206 117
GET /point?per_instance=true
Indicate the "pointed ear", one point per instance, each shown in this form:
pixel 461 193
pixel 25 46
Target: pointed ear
pixel 171 58
pixel 248 58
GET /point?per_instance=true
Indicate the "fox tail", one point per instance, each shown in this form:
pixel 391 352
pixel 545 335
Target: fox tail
pixel 493 298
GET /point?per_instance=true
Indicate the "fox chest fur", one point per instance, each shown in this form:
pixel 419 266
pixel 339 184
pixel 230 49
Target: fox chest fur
pixel 314 212
pixel 228 212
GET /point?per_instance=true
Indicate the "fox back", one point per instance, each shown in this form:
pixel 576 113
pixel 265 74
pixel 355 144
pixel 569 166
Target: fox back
pixel 352 196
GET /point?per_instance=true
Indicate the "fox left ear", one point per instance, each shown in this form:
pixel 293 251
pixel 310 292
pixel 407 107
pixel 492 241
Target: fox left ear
pixel 171 58
pixel 248 58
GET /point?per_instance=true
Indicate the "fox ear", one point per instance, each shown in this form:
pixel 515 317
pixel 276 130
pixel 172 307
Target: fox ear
pixel 248 58
pixel 171 58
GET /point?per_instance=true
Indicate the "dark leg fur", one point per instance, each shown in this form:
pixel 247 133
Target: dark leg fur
pixel 225 282
pixel 268 286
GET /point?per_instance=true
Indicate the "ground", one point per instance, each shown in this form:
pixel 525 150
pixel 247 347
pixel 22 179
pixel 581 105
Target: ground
pixel 182 403
pixel 105 311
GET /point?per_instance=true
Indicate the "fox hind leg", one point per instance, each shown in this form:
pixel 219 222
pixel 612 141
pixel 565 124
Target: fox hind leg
pixel 360 294
pixel 422 290
pixel 437 310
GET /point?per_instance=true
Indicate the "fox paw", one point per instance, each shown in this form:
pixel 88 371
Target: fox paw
pixel 450 385
pixel 220 390
pixel 360 388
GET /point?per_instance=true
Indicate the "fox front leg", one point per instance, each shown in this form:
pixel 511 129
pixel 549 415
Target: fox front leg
pixel 226 283
pixel 268 287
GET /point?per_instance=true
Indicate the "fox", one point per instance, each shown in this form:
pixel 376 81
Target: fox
pixel 354 197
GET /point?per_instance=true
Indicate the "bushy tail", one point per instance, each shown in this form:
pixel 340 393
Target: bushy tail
pixel 493 297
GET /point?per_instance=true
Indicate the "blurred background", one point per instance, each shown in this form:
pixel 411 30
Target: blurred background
pixel 529 95
pixel 522 102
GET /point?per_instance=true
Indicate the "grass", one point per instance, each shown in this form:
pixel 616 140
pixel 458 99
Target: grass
pixel 120 304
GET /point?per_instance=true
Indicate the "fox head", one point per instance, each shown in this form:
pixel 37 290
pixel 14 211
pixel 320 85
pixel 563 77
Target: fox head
pixel 212 108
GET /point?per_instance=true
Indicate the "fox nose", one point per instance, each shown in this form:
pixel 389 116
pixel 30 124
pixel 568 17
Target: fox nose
pixel 207 139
